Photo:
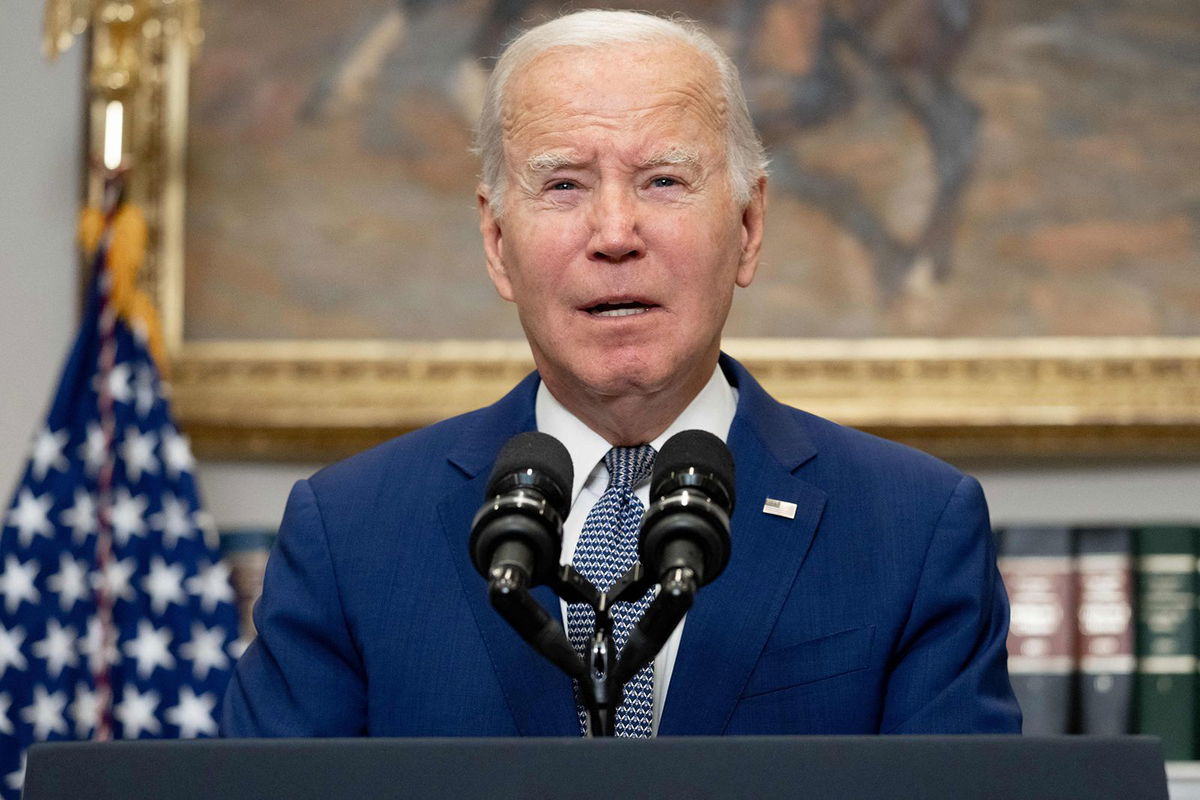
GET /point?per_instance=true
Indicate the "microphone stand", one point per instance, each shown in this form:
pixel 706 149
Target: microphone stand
pixel 602 674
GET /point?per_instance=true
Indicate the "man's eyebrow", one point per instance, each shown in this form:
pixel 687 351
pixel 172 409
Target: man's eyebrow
pixel 672 157
pixel 550 161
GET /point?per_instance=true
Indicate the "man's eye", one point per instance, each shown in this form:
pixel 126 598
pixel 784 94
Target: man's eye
pixel 664 182
pixel 562 186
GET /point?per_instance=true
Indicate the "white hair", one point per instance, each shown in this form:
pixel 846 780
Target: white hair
pixel 746 160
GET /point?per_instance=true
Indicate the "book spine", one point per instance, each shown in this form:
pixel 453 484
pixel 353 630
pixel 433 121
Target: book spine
pixel 1166 664
pixel 1037 567
pixel 1104 569
pixel 245 553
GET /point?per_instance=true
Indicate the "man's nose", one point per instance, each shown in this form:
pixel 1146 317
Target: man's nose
pixel 614 223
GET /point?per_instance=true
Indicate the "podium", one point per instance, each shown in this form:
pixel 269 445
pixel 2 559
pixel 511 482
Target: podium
pixel 823 768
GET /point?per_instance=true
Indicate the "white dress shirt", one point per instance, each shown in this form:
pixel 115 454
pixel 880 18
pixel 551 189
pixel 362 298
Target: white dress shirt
pixel 712 410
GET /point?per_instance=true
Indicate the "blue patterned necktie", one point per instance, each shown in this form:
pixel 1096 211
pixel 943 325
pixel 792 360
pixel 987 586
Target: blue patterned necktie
pixel 607 548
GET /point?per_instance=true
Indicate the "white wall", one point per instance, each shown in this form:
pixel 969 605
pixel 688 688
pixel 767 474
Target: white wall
pixel 1084 493
pixel 40 164
pixel 40 124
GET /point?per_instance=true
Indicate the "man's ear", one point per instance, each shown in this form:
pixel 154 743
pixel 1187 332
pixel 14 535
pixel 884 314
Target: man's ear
pixel 493 244
pixel 753 217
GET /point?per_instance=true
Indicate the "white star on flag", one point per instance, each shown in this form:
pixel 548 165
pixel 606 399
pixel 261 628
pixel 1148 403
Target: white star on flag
pixel 48 453
pixel 151 649
pixel 206 650
pixel 175 521
pixel 16 584
pixel 16 780
pixel 69 583
pixel 193 715
pixel 211 585
pixel 114 579
pixel 138 453
pixel 57 649
pixel 94 451
pixel 81 517
pixel 135 712
pixel 85 710
pixel 164 584
pixel 118 383
pixel 45 713
pixel 30 516
pixel 127 516
pixel 11 640
pixel 6 725
pixel 176 453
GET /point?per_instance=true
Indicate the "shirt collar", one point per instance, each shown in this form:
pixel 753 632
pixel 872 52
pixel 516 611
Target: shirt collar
pixel 711 410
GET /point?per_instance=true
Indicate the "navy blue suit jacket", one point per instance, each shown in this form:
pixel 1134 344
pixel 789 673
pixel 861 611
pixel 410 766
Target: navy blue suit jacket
pixel 878 609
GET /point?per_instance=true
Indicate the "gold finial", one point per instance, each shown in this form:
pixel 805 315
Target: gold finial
pixel 121 20
pixel 65 19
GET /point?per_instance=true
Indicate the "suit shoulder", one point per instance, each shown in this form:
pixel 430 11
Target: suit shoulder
pixel 886 486
pixel 848 450
pixel 416 450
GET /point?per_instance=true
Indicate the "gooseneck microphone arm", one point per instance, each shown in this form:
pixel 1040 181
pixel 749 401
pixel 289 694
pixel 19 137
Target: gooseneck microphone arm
pixel 508 591
pixel 676 593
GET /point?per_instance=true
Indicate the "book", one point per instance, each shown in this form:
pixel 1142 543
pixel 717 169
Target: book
pixel 1036 564
pixel 245 554
pixel 1104 587
pixel 1166 638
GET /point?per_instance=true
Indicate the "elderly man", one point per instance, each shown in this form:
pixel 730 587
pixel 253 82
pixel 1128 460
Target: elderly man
pixel 622 201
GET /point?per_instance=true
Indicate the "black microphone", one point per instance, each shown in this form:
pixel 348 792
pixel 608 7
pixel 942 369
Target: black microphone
pixel 684 542
pixel 692 496
pixel 516 540
pixel 520 524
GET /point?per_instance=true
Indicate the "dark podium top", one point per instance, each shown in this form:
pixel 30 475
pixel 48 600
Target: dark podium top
pixel 830 768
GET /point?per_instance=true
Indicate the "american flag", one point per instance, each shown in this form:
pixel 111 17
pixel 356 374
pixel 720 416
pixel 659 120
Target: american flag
pixel 118 616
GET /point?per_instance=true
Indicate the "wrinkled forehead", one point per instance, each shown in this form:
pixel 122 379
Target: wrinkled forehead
pixel 620 82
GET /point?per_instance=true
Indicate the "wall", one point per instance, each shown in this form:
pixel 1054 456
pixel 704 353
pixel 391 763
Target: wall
pixel 40 113
pixel 40 163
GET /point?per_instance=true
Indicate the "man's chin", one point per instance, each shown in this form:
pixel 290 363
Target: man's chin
pixel 612 378
pixel 607 376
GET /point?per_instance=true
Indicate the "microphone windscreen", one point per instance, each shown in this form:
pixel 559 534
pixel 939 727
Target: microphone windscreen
pixel 542 453
pixel 692 450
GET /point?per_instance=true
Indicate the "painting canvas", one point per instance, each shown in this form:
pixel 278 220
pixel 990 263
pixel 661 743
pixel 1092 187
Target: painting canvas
pixel 961 168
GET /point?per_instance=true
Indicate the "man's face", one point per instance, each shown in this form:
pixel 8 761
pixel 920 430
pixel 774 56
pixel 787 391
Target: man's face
pixel 620 240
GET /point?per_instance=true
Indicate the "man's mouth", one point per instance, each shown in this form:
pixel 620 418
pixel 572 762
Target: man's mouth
pixel 621 309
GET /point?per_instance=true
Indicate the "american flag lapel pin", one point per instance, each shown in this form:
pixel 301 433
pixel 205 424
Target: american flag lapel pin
pixel 779 508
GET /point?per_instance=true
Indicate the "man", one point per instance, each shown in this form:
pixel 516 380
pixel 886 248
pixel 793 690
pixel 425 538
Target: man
pixel 622 200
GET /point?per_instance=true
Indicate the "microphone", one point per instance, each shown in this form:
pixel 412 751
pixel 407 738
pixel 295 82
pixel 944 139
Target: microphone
pixel 684 542
pixel 520 525
pixel 516 540
pixel 692 494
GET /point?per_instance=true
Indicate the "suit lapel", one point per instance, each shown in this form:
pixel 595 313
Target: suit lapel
pixel 539 696
pixel 726 630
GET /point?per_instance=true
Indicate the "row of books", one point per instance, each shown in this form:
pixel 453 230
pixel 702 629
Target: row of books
pixel 1103 637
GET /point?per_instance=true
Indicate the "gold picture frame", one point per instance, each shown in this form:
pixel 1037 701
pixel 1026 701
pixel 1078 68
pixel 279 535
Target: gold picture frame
pixel 1013 397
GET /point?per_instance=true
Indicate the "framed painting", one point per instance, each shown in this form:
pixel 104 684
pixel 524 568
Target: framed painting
pixel 983 234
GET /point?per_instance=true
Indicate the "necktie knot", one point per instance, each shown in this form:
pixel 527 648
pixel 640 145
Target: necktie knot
pixel 628 466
